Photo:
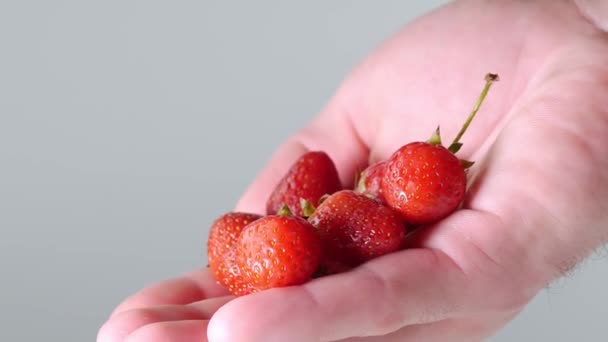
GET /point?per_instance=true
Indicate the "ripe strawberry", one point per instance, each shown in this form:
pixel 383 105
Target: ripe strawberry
pixel 313 175
pixel 425 181
pixel 355 228
pixel 221 250
pixel 278 251
pixel 370 181
pixel 228 273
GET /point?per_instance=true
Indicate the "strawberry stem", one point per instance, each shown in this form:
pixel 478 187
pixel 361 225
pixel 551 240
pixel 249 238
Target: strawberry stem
pixel 456 145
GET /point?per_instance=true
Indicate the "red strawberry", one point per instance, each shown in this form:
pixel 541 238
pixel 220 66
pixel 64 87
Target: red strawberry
pixel 278 251
pixel 313 175
pixel 370 181
pixel 355 228
pixel 221 250
pixel 228 273
pixel 425 181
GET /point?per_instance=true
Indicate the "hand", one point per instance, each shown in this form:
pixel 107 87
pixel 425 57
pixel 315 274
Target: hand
pixel 537 205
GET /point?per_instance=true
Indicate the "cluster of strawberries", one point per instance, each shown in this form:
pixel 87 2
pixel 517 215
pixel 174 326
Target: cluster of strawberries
pixel 313 227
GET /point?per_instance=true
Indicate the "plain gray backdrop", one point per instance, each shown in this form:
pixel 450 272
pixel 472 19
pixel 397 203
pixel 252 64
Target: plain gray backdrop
pixel 126 127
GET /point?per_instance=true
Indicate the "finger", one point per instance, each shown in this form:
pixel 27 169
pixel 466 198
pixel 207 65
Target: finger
pixel 126 322
pixel 331 132
pixel 192 287
pixel 453 330
pixel 410 287
pixel 183 331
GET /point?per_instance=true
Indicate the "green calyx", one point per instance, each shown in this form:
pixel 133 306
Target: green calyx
pixel 435 138
pixel 307 208
pixel 466 164
pixel 284 211
pixel 455 147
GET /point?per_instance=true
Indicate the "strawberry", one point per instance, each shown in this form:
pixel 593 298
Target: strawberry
pixel 355 228
pixel 425 181
pixel 278 251
pixel 313 175
pixel 370 181
pixel 228 273
pixel 221 250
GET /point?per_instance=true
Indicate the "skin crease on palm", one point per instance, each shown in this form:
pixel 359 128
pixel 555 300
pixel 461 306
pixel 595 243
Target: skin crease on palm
pixel 537 205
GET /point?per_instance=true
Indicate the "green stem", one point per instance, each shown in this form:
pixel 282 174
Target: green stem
pixel 490 78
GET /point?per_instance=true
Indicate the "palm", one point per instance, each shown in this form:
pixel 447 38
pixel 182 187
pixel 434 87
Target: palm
pixel 537 175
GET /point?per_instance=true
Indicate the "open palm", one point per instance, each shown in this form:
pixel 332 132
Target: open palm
pixel 537 203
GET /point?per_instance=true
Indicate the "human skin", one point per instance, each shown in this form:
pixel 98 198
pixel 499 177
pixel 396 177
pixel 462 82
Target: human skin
pixel 537 205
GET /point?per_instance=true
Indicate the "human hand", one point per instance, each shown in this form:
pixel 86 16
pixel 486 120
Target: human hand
pixel 537 204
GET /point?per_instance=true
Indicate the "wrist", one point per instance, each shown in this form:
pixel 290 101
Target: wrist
pixel 596 11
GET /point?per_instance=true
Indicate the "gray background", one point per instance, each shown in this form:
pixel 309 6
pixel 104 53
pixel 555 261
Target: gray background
pixel 127 126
